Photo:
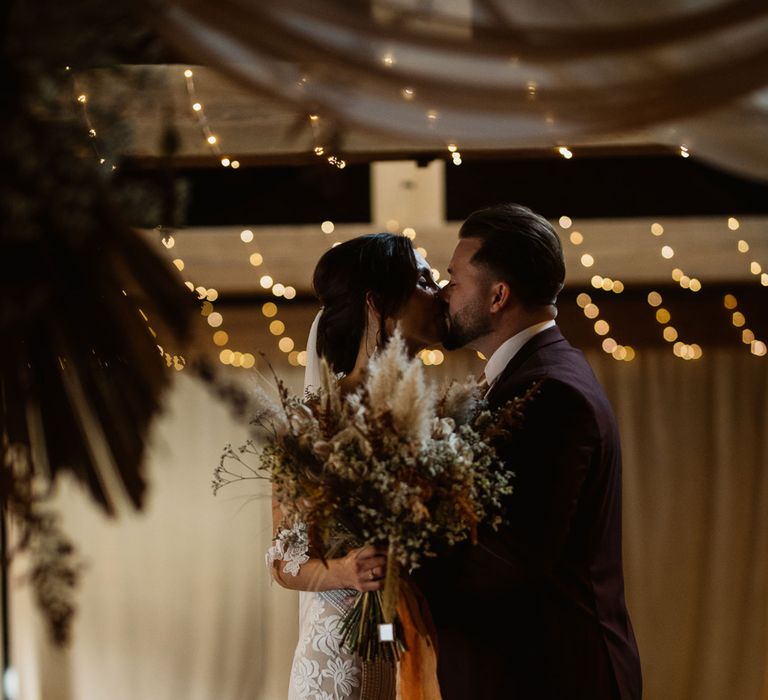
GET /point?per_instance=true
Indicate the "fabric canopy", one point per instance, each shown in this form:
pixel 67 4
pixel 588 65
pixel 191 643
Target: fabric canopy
pixel 514 74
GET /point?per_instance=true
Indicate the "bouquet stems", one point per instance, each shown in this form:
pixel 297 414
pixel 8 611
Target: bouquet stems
pixel 391 590
pixel 360 624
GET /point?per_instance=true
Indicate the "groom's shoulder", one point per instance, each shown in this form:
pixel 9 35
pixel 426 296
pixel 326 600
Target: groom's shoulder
pixel 554 362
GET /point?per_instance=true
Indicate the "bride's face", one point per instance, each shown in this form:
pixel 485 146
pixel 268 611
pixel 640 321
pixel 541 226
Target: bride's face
pixel 422 317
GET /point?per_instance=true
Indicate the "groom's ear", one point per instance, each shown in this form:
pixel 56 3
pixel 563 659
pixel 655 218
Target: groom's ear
pixel 501 296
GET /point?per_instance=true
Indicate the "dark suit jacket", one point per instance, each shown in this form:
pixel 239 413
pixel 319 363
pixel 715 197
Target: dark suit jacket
pixel 536 610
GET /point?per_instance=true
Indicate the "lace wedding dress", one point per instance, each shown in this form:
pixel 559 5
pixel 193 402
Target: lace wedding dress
pixel 322 668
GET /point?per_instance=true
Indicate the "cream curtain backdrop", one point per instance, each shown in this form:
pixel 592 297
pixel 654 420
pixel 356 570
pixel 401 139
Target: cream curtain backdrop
pixel 176 604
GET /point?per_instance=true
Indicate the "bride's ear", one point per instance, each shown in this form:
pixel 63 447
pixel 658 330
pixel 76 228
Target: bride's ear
pixel 370 305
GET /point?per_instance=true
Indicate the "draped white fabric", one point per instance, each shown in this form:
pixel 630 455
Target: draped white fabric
pixel 176 603
pixel 498 73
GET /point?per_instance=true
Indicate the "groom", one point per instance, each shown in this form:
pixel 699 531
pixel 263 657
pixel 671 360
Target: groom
pixel 534 611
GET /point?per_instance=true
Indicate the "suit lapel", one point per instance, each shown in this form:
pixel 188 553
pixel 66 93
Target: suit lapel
pixel 540 340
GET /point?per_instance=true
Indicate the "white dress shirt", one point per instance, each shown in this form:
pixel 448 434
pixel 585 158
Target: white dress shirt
pixel 509 348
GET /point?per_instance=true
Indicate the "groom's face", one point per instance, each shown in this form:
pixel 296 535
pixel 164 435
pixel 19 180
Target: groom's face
pixel 467 296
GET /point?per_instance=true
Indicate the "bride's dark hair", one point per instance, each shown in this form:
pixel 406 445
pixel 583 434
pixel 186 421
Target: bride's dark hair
pixel 380 263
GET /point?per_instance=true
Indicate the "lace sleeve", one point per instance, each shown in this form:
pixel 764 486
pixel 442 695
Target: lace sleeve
pixel 292 547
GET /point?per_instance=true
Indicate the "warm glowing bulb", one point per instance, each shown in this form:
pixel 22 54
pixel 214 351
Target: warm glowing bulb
pixel 269 309
pixel 197 106
pixel 657 229
pixel 266 281
pixel 289 293
pixel 743 246
pixel 256 259
pixel 220 338
pixel 729 301
pixel 277 327
pixel 577 238
pixel 285 344
pixel 602 327
pixel 654 299
pixel 226 162
pixel 235 164
pixel 587 260
pixel 246 236
pixel 733 223
pixel 215 319
pixel 663 316
pixel 187 73
pixel 667 252
pixel 212 139
pixel 565 222
pixel 591 311
pixel 278 289
pixel 583 299
pixel 327 227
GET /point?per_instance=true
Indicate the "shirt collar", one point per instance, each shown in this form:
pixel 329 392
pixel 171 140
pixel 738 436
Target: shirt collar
pixel 509 348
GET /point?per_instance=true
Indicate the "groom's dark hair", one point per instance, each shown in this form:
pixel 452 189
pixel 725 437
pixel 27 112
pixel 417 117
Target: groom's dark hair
pixel 380 264
pixel 521 248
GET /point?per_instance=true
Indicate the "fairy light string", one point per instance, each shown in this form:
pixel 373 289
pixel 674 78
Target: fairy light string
pixel 172 360
pixel 590 309
pixel 738 319
pixel 197 108
pixel 321 148
pixel 81 101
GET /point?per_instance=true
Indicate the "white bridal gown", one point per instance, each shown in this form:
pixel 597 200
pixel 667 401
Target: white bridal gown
pixel 322 668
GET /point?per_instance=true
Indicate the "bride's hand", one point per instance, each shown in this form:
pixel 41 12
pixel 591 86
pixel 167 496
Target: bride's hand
pixel 363 569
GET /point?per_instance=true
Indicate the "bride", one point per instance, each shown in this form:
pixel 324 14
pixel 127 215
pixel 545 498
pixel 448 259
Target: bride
pixel 366 286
